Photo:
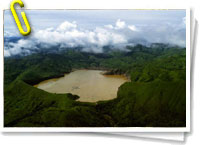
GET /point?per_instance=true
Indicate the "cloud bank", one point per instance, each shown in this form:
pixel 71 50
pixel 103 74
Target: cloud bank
pixel 70 34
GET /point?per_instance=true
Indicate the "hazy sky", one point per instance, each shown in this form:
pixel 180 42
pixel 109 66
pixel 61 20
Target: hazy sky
pixel 98 27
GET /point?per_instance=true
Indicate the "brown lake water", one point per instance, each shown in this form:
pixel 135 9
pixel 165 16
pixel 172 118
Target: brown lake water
pixel 90 85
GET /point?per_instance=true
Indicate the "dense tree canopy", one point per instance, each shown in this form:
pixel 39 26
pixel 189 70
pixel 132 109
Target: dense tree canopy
pixel 155 96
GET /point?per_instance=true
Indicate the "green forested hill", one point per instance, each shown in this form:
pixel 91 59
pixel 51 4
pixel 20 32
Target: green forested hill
pixel 29 106
pixel 148 104
pixel 156 95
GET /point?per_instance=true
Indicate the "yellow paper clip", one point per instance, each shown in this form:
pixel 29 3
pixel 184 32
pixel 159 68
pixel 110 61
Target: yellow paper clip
pixel 17 19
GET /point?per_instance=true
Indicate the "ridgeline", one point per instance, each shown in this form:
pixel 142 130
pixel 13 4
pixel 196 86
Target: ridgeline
pixel 155 96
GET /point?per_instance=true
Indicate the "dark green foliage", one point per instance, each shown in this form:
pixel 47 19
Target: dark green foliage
pixel 28 106
pixel 155 96
pixel 35 68
pixel 148 104
pixel 73 97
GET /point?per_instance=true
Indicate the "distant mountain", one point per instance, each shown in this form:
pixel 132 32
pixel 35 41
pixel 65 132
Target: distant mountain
pixel 154 97
pixel 133 46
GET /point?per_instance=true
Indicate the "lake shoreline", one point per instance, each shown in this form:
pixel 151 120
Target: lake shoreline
pixel 89 85
pixel 107 72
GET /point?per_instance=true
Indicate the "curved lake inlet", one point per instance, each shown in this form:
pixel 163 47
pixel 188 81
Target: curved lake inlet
pixel 90 85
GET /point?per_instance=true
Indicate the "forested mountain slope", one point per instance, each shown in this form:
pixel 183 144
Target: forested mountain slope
pixel 155 96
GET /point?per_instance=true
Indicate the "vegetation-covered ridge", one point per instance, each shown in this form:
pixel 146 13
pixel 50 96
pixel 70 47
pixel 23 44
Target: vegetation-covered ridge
pixel 155 96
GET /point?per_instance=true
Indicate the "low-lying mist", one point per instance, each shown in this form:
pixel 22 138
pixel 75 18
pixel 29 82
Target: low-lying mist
pixel 68 35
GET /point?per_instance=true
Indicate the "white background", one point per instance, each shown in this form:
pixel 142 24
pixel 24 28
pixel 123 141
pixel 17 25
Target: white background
pixel 94 138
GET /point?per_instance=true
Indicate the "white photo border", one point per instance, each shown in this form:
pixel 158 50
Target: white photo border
pixel 100 129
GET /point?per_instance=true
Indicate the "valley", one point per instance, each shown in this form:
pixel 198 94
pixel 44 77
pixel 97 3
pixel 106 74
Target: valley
pixel 155 96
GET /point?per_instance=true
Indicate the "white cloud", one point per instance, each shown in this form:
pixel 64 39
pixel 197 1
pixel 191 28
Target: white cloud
pixel 67 26
pixel 22 46
pixel 132 27
pixel 120 24
pixel 69 34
